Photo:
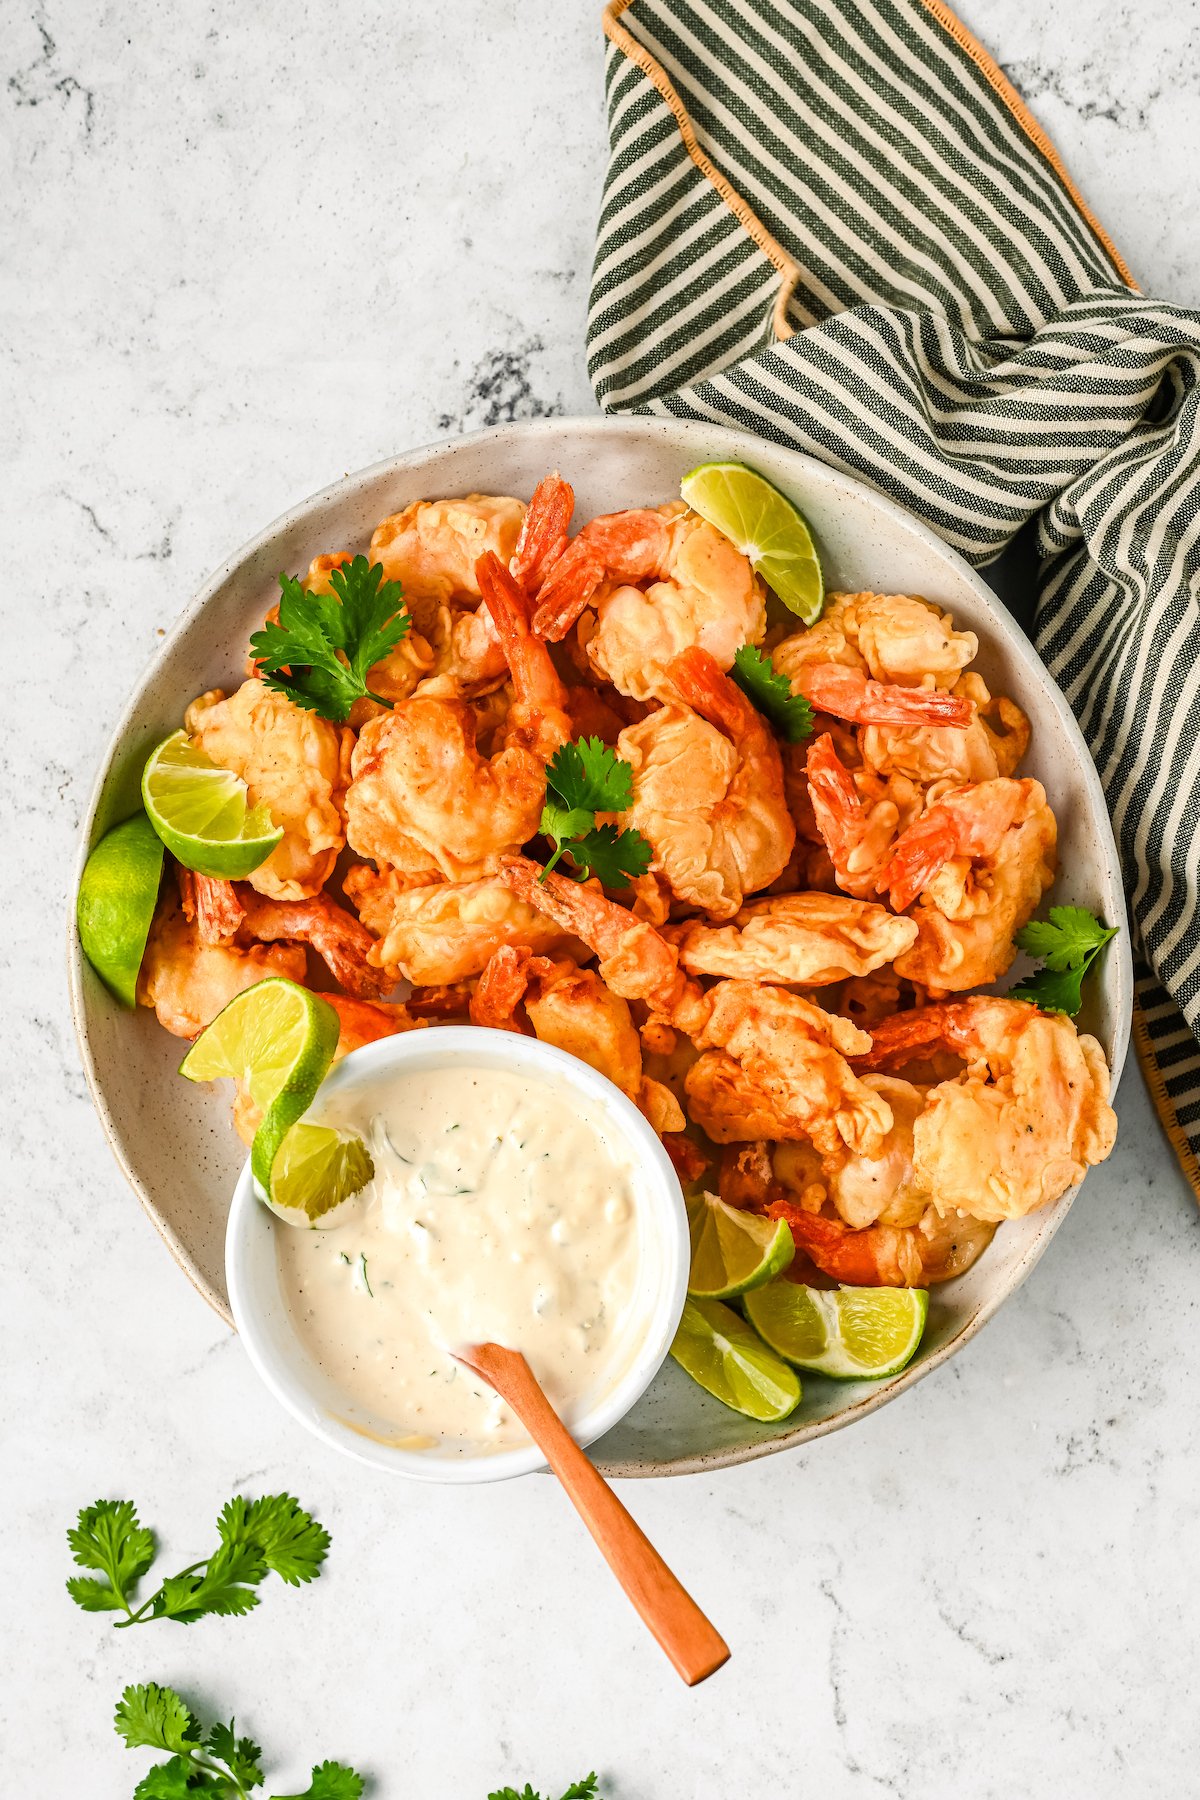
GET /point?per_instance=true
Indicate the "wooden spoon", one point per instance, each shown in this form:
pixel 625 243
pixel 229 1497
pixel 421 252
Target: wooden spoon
pixel 694 1645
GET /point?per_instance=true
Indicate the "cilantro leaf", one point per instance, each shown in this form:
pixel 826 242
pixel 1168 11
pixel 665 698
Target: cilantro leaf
pixel 219 1763
pixel 224 1584
pixel 578 1790
pixel 582 779
pixel 322 647
pixel 290 1540
pixel 330 1781
pixel 590 776
pixel 256 1536
pixel 157 1717
pixel 1068 943
pixel 240 1755
pixel 612 855
pixel 109 1538
pixel 178 1779
pixel 768 690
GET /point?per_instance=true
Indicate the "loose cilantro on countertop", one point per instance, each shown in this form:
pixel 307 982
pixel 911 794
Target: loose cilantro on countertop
pixel 768 690
pixel 578 1790
pixel 216 1762
pixel 1068 943
pixel 583 779
pixel 323 646
pixel 256 1537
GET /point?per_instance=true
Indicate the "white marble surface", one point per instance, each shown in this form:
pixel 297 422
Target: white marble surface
pixel 246 248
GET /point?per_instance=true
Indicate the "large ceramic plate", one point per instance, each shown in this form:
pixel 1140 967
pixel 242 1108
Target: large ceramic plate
pixel 174 1141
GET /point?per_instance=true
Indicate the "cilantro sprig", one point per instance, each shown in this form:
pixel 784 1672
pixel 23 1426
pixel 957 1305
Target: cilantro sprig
pixel 578 1790
pixel 768 690
pixel 323 646
pixel 216 1762
pixel 256 1536
pixel 1068 943
pixel 583 779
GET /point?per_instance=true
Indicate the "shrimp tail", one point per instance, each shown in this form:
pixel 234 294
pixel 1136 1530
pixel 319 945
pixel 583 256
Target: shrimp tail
pixel 833 794
pixel 703 685
pixel 341 941
pixel 501 990
pixel 212 905
pixel 848 694
pixel 565 593
pixel 543 535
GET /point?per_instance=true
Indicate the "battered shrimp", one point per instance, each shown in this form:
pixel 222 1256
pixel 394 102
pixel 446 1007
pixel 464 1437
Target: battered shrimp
pixel 790 1052
pixel 980 859
pixel 573 1009
pixel 805 939
pixel 1023 1122
pixel 935 1249
pixel 447 932
pixel 432 547
pixel 708 790
pixel 701 592
pixel 295 764
pixel 991 744
pixel 899 639
pixel 859 815
pixel 188 982
pixel 423 800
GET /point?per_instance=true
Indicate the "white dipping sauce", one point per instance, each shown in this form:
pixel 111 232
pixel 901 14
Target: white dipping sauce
pixel 501 1210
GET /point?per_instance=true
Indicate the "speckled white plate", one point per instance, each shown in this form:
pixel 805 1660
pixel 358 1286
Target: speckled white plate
pixel 174 1141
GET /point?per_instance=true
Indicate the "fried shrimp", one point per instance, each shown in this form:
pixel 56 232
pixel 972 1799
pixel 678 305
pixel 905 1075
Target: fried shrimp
pixel 661 582
pixel 897 639
pixel 809 940
pixel 575 1010
pixel 991 744
pixel 1023 1122
pixel 935 1249
pixel 432 547
pixel 188 982
pixel 708 790
pixel 295 764
pixel 422 798
pixel 980 860
pixel 859 816
pixel 447 932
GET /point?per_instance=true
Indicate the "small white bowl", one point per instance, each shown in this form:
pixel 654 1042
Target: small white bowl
pixel 260 1311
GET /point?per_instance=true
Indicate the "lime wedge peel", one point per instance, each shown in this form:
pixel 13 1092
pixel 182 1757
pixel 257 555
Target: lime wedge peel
pixel 850 1333
pixel 734 1251
pixel 730 1361
pixel 114 908
pixel 765 526
pixel 201 812
pixel 279 1040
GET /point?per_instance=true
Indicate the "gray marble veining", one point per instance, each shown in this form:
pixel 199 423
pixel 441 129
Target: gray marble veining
pixel 247 248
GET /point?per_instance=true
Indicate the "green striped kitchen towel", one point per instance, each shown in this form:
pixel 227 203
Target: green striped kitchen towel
pixel 834 223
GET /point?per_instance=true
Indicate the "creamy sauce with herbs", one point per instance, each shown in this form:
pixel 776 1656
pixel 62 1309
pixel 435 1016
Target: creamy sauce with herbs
pixel 501 1209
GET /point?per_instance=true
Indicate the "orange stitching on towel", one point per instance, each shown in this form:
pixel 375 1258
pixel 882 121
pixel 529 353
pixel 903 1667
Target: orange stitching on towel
pixel 749 221
pixel 992 71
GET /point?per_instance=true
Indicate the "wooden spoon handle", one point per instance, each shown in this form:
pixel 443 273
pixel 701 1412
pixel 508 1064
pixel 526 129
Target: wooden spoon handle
pixel 693 1644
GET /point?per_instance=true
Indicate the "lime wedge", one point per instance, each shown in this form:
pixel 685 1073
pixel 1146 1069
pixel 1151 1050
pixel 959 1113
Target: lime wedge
pixel 279 1040
pixel 734 1251
pixel 765 526
pixel 315 1169
pixel 115 904
pixel 200 812
pixel 853 1333
pixel 730 1361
